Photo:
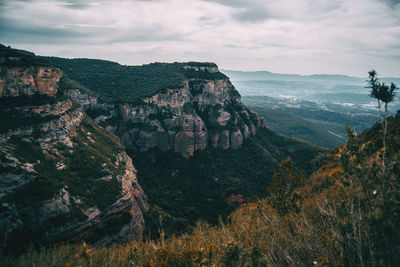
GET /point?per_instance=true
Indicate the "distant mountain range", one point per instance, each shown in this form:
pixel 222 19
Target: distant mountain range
pixel 79 138
pixel 236 75
pixel 338 89
pixel 315 108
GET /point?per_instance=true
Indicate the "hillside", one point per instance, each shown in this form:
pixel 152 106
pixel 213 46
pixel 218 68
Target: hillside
pixel 359 119
pixel 62 176
pixel 320 88
pixel 196 147
pixel 322 133
pixel 129 84
pixel 344 214
pixel 214 182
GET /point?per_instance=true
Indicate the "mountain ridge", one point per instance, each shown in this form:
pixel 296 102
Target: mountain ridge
pixel 62 177
pixel 197 108
pixel 90 186
pixel 264 75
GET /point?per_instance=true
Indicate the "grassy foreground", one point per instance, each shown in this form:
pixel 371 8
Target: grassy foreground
pixel 345 214
pixel 256 236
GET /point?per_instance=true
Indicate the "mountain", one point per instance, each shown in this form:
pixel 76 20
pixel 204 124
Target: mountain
pixel 320 123
pixel 318 132
pixel 345 91
pixel 63 177
pixel 345 213
pixel 200 106
pixel 68 124
pixel 329 101
pixel 266 75
pixel 194 143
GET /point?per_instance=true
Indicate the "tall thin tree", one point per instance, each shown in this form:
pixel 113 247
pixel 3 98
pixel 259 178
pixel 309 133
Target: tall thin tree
pixel 383 94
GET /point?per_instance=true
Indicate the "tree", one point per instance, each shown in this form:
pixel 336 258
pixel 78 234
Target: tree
pixel 283 189
pixel 383 94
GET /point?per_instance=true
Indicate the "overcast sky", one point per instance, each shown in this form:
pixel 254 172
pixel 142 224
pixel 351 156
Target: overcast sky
pixel 286 36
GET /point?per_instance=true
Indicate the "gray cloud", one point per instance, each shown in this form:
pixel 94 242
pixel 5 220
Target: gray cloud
pixel 76 6
pixel 300 36
pixel 17 30
pixel 393 2
pixel 253 15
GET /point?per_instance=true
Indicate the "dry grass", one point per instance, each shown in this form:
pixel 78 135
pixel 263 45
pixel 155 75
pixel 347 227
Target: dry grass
pixel 256 236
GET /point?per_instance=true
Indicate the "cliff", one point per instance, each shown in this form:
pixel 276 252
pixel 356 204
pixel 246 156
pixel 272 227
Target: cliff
pixel 62 176
pixel 203 110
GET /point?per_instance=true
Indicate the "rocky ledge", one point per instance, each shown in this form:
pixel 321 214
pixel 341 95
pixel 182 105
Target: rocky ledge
pixel 203 112
pixel 20 81
pixel 63 177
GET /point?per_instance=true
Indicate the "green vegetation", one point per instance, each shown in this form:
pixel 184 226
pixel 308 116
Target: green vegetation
pixel 13 116
pixel 25 151
pixel 283 188
pixel 89 162
pixel 120 83
pixel 84 167
pixel 67 83
pixel 317 132
pixel 383 94
pixel 24 100
pixel 360 119
pixel 198 188
pixel 13 120
pixel 345 214
pixel 20 58
pixel 91 158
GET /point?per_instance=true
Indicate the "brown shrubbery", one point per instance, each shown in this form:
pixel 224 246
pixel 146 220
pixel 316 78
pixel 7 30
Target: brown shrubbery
pixel 345 214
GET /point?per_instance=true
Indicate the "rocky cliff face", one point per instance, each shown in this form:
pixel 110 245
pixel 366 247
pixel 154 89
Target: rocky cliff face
pixel 62 176
pixel 203 112
pixel 28 81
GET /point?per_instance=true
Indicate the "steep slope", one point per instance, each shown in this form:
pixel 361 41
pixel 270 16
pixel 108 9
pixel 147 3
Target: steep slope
pixel 62 177
pixel 199 108
pixel 198 150
pixel 344 214
pixel 214 182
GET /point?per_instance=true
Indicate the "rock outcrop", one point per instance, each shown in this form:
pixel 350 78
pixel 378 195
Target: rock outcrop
pixel 63 177
pixel 20 81
pixel 203 112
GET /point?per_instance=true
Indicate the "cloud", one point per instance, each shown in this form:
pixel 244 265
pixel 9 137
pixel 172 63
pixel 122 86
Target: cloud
pixel 301 36
pixel 393 3
pixel 76 6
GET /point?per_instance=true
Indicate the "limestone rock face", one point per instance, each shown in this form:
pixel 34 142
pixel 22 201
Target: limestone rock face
pixel 57 140
pixel 18 81
pixel 203 112
pixel 236 139
pixel 131 205
pixel 45 110
pixel 43 190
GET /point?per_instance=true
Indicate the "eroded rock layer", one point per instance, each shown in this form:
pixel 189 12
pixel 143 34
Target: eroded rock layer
pixel 62 176
pixel 202 112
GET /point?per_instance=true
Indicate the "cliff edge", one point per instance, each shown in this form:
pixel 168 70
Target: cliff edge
pixel 199 108
pixel 63 177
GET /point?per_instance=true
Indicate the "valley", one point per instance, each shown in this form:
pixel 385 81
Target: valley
pixel 166 164
pixel 329 101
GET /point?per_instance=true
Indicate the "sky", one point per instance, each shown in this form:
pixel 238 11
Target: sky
pixel 285 36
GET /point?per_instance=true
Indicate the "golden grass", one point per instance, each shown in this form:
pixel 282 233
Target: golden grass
pixel 256 236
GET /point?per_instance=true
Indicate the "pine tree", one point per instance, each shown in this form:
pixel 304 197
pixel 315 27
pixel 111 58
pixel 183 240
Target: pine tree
pixel 283 188
pixel 384 94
